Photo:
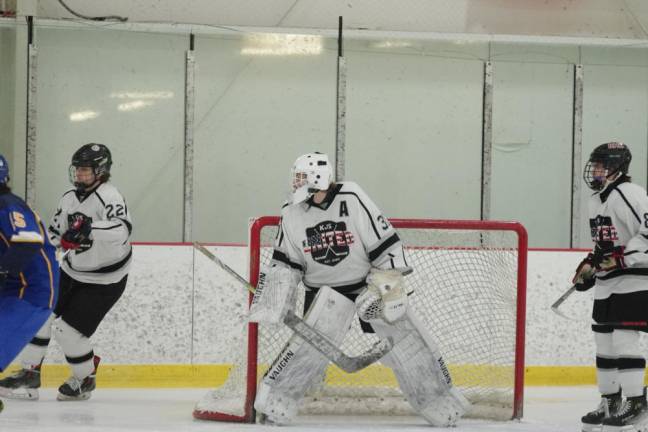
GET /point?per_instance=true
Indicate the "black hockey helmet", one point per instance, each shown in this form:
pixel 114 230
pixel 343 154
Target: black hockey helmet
pixel 615 159
pixel 95 156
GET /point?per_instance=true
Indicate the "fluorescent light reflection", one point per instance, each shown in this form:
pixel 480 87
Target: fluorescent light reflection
pixel 134 105
pixel 83 115
pixel 141 95
pixel 282 45
pixel 393 44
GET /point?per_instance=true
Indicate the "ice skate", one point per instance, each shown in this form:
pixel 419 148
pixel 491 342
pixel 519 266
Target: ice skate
pixel 23 384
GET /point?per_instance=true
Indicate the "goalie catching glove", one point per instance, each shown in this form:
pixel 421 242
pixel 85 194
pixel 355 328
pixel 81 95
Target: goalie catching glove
pixel 384 298
pixel 275 295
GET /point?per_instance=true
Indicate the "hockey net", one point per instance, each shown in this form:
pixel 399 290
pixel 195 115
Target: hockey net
pixel 469 285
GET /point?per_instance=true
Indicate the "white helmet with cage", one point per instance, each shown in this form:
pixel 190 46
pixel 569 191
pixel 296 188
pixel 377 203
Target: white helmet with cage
pixel 311 172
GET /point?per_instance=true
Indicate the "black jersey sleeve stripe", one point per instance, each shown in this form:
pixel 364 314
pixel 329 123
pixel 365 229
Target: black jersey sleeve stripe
pixel 625 271
pixel 108 228
pixel 281 236
pixel 107 269
pixel 373 225
pixel 281 257
pixel 384 246
pixel 629 206
pixel 129 226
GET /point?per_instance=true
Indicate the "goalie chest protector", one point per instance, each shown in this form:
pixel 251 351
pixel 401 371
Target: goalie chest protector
pixel 335 243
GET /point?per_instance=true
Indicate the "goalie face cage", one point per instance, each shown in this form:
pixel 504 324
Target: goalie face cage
pixel 470 291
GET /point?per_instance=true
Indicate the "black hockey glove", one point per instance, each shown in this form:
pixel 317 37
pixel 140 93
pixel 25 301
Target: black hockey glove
pixel 78 234
pixel 585 275
pixel 612 260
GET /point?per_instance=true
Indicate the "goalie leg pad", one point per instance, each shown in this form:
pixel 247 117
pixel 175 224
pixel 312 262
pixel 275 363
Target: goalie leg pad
pixel 299 366
pixel 421 371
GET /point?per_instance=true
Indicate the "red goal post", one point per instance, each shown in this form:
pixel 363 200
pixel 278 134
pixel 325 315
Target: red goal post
pixel 476 270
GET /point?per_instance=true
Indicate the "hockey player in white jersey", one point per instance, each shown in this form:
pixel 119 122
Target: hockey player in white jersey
pixel 617 268
pixel 335 240
pixel 93 227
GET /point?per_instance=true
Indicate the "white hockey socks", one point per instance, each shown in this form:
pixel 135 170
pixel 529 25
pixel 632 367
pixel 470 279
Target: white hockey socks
pixel 34 353
pixel 76 347
pixel 631 362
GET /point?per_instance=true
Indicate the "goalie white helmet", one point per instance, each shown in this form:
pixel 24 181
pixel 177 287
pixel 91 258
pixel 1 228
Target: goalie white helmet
pixel 310 173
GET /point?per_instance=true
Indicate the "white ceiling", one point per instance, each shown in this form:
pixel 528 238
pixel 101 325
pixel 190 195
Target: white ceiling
pixel 627 19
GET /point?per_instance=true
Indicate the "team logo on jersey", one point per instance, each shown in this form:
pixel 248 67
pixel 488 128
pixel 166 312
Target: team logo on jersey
pixel 602 229
pixel 328 242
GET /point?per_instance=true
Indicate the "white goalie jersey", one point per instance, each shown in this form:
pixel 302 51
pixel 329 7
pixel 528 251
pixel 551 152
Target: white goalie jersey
pixel 107 258
pixel 337 242
pixel 619 219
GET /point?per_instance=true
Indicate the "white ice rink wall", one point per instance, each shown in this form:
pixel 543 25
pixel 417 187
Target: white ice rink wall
pixel 169 315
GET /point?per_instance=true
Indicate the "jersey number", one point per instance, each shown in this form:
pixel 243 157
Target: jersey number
pixel 18 219
pixel 118 209
pixel 384 222
pixel 646 220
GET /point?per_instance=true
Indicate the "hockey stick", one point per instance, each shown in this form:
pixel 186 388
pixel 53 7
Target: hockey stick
pixel 310 335
pixel 561 300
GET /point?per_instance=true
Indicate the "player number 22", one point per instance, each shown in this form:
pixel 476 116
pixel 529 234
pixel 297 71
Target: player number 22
pixel 118 209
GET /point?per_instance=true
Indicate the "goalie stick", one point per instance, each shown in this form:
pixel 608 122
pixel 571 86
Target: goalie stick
pixel 310 335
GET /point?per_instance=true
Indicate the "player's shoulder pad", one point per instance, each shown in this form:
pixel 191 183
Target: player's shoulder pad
pixel 68 195
pixel 352 188
pixel 287 207
pixel 106 193
pixel 631 191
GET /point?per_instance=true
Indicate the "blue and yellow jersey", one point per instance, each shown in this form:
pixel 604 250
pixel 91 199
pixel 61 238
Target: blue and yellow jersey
pixel 26 254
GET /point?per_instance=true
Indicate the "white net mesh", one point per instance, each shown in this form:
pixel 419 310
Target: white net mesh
pixel 465 291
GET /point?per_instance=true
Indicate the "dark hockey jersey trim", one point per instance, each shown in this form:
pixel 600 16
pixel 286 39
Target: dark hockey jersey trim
pixel 328 199
pixel 282 257
pixel 108 269
pixel 623 272
pixel 108 228
pixel 103 203
pixel 606 193
pixel 629 206
pixel 373 225
pixel 342 289
pixel 383 247
pixel 129 226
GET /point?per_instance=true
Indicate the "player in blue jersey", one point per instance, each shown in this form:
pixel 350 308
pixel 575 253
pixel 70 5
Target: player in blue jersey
pixel 29 273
